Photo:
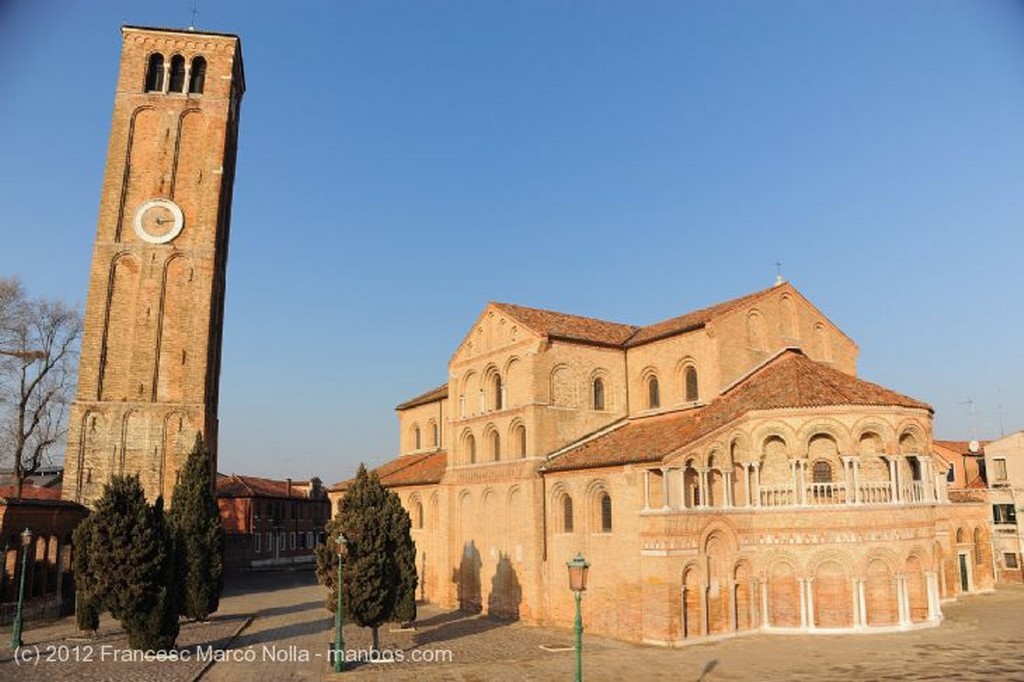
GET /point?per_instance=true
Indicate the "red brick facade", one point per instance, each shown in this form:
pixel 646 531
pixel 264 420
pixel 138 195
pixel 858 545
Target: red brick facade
pixel 150 358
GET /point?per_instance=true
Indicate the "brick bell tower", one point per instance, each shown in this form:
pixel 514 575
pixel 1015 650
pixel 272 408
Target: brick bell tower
pixel 150 364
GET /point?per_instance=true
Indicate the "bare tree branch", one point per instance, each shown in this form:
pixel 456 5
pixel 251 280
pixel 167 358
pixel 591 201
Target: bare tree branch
pixel 38 361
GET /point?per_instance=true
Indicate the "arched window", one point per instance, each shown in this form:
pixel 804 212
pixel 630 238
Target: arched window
pixel 653 393
pixel 598 394
pixel 566 514
pixel 756 338
pixel 177 73
pixel 520 440
pixel 495 446
pixel 498 389
pixel 437 436
pixel 978 554
pixel 155 73
pixel 471 448
pixel 821 472
pixel 606 513
pixel 197 76
pixel 416 441
pixel 690 381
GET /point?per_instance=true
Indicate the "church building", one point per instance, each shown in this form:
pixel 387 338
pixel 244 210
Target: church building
pixel 723 472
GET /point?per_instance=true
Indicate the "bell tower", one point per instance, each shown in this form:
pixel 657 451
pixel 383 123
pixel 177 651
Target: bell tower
pixel 149 371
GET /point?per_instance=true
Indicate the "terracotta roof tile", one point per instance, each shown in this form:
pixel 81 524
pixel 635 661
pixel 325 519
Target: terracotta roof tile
pixel 419 469
pixel 789 380
pixel 962 447
pixel 570 327
pixel 692 320
pixel 590 330
pixel 30 492
pixel 252 486
pixel 434 394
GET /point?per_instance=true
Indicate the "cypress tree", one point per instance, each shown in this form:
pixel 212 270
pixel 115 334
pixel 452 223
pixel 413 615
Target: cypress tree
pixel 198 536
pixel 87 595
pixel 379 574
pixel 126 565
pixel 403 553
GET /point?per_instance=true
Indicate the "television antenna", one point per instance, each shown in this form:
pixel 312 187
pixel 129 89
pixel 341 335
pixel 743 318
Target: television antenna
pixel 974 417
pixel 195 14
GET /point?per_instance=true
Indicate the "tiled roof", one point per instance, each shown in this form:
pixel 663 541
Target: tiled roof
pixel 789 380
pixel 419 469
pixel 962 447
pixel 692 320
pixel 647 439
pixel 252 486
pixel 434 394
pixel 30 492
pixel 571 327
pixel 589 330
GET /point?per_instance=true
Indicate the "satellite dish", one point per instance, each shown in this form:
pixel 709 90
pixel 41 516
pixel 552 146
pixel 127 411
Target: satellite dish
pixel 974 446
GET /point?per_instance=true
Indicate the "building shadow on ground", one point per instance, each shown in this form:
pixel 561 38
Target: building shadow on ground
pixel 506 592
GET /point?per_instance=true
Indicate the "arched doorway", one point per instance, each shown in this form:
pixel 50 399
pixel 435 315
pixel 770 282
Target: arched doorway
pixel 784 596
pixel 833 596
pixel 743 596
pixel 880 597
pixel 917 591
pixel 691 603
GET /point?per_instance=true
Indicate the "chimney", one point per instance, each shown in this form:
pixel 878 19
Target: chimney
pixel 289 487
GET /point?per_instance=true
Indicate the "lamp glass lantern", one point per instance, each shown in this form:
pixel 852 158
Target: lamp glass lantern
pixel 342 545
pixel 578 568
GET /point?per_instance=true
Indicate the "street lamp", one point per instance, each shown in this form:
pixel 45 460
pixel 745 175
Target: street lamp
pixel 26 540
pixel 339 643
pixel 578 568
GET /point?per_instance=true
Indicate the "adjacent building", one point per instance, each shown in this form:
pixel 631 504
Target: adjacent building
pixel 1004 464
pixel 724 471
pixel 49 590
pixel 271 523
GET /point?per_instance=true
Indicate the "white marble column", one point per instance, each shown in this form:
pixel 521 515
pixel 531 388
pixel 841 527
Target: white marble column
pixel 809 582
pixel 862 601
pixel 727 486
pixel 647 489
pixel 794 478
pixel 705 625
pixel 855 604
pixel 733 601
pixel 702 482
pixel 684 629
pixel 903 601
pixel 665 504
pixel 757 484
pixel 893 486
pixel 803 603
pixel 932 584
pixel 927 481
pixel 857 499
pixel 765 620
pixel 801 466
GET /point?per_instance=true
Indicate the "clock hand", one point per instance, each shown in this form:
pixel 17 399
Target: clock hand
pixel 161 221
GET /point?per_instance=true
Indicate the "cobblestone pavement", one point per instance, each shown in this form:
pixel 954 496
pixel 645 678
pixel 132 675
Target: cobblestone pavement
pixel 285 633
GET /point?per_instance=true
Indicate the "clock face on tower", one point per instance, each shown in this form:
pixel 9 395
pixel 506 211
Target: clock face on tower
pixel 158 221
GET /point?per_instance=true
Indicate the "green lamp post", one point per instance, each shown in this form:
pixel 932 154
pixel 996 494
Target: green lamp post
pixel 578 568
pixel 339 642
pixel 26 540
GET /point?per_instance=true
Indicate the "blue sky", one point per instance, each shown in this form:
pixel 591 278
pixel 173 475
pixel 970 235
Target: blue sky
pixel 402 163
